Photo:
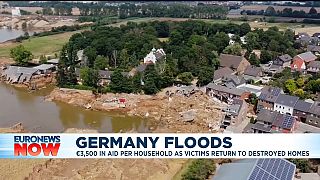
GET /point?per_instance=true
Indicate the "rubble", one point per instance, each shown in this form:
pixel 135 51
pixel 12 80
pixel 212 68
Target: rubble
pixel 175 113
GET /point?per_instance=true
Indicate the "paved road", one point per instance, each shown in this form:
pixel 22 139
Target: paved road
pixel 239 128
pixel 302 127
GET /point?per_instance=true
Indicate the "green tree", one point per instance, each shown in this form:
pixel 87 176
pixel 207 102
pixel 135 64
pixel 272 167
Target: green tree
pixel 251 41
pixel 89 77
pixel 91 54
pixel 199 169
pixel 152 80
pixel 150 87
pixel 205 76
pixel 220 40
pixel 234 49
pixel 273 46
pixel 124 59
pixel 101 63
pixel 244 29
pixel 270 11
pixel 313 11
pixel 136 83
pixel 120 83
pixel 66 67
pixel 302 164
pixel 300 93
pixel 42 59
pixel 300 82
pixel 21 55
pixel 290 86
pixel 253 59
pixel 185 78
pixel 175 38
pixel 267 56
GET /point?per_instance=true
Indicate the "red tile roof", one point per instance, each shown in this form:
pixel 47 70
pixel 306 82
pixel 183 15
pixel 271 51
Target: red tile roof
pixel 297 64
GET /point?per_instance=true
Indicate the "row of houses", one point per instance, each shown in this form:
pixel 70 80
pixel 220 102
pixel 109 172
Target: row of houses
pixel 231 84
pixel 273 99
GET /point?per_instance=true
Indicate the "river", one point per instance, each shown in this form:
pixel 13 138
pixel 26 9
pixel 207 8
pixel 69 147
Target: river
pixel 8 34
pixel 37 115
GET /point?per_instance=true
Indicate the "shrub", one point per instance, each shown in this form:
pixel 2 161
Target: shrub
pixel 199 169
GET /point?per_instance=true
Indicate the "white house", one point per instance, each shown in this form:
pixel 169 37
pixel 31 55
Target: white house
pixel 154 56
pixel 231 41
pixel 285 104
pixel 16 11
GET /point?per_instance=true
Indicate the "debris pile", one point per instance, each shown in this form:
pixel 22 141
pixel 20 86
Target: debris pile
pixel 173 113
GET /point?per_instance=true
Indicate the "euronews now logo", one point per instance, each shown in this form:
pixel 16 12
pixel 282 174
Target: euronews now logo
pixel 36 145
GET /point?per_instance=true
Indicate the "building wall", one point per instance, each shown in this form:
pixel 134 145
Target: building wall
pixel 302 116
pixel 283 109
pixel 286 64
pixel 313 120
pixel 214 92
pixel 313 69
pixel 265 105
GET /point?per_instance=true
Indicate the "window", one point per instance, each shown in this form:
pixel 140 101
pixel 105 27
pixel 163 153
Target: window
pixel 289 109
pixel 310 121
pixel 316 122
pixel 279 106
pixel 276 106
pixel 283 107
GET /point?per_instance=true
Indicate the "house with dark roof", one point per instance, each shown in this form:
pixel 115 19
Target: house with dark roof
pixel 314 49
pixel 301 110
pixel 253 73
pixel 222 72
pixel 139 69
pixel 256 169
pixel 283 60
pixel 236 63
pixel 314 117
pixel 283 123
pixel 313 67
pixel 273 122
pixel 224 93
pixel 285 104
pixel 268 97
pixel 304 39
pixel 307 57
pixel 232 81
pixel 235 113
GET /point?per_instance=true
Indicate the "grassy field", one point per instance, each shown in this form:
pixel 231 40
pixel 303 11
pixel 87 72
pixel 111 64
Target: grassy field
pixel 39 45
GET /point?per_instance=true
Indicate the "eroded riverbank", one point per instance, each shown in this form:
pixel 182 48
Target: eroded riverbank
pixel 37 115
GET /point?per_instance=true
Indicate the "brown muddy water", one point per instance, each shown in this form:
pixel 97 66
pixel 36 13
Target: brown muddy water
pixel 37 115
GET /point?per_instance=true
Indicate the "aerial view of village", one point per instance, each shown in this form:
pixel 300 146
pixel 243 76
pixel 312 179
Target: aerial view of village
pixel 160 67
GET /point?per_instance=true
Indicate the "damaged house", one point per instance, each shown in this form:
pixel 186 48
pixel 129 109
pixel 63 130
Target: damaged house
pixel 16 74
pixel 235 113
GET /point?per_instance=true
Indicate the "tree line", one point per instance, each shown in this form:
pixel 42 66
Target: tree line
pixel 286 12
pixel 126 10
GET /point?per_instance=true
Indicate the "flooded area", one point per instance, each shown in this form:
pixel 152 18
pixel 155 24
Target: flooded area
pixel 37 115
pixel 8 34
